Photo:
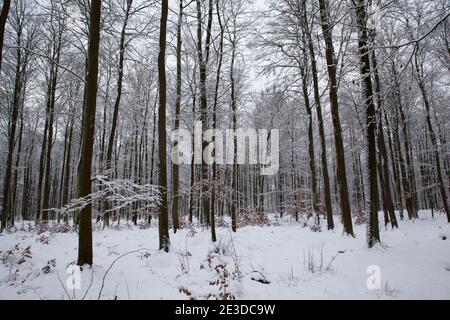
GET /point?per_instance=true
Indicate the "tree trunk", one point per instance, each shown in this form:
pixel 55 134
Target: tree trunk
pixel 311 152
pixel 3 18
pixel 384 161
pixel 51 107
pixel 373 233
pixel 85 167
pixel 234 186
pixel 203 98
pixel 326 177
pixel 433 139
pixel 339 144
pixel 164 241
pixel 6 212
pixel 216 98
pixel 112 136
pixel 176 167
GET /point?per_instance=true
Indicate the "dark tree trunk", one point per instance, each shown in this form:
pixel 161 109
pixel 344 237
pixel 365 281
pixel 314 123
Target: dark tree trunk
pixel 339 144
pixel 51 107
pixel 326 177
pixel 203 97
pixel 395 168
pixel 175 167
pixel 373 233
pixel 16 172
pixel 12 120
pixel 384 161
pixel 68 168
pixel 234 186
pixel 216 100
pixel 112 136
pixel 3 17
pixel 85 167
pixel 311 152
pixel 405 172
pixel 164 241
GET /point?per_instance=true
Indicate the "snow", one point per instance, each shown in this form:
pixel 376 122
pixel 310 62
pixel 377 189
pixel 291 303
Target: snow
pixel 282 261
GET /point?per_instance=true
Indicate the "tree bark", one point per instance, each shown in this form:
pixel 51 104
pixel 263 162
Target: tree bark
pixel 216 98
pixel 384 161
pixel 339 144
pixel 203 96
pixel 56 53
pixel 6 209
pixel 115 119
pixel 373 233
pixel 326 177
pixel 85 167
pixel 3 17
pixel 164 241
pixel 175 167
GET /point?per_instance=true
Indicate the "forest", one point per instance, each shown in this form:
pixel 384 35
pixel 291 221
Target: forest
pixel 220 149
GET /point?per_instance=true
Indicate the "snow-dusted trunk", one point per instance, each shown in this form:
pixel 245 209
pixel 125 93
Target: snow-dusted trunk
pixel 385 180
pixel 203 63
pixel 373 234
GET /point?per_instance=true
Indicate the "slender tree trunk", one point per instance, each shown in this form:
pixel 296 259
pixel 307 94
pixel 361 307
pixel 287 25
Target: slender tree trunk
pixel 384 161
pixel 16 171
pixel 325 175
pixel 27 182
pixel 234 183
pixel 216 100
pixel 51 106
pixel 85 168
pixel 68 168
pixel 6 209
pixel 175 167
pixel 395 169
pixel 203 96
pixel 164 241
pixel 373 233
pixel 311 152
pixel 339 144
pixel 115 119
pixel 3 17
pixel 437 159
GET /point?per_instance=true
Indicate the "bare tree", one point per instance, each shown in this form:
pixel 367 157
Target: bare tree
pixel 164 240
pixel 85 168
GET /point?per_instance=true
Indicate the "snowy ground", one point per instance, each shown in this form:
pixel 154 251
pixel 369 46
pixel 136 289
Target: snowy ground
pixel 293 261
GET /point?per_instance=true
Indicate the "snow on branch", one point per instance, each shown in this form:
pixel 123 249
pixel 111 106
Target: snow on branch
pixel 121 193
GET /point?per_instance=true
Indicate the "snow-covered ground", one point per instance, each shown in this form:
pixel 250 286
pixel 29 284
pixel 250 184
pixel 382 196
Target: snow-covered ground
pixel 282 261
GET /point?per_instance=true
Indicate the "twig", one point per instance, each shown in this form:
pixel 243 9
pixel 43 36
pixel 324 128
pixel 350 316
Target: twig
pixel 60 281
pixel 90 285
pixel 112 264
